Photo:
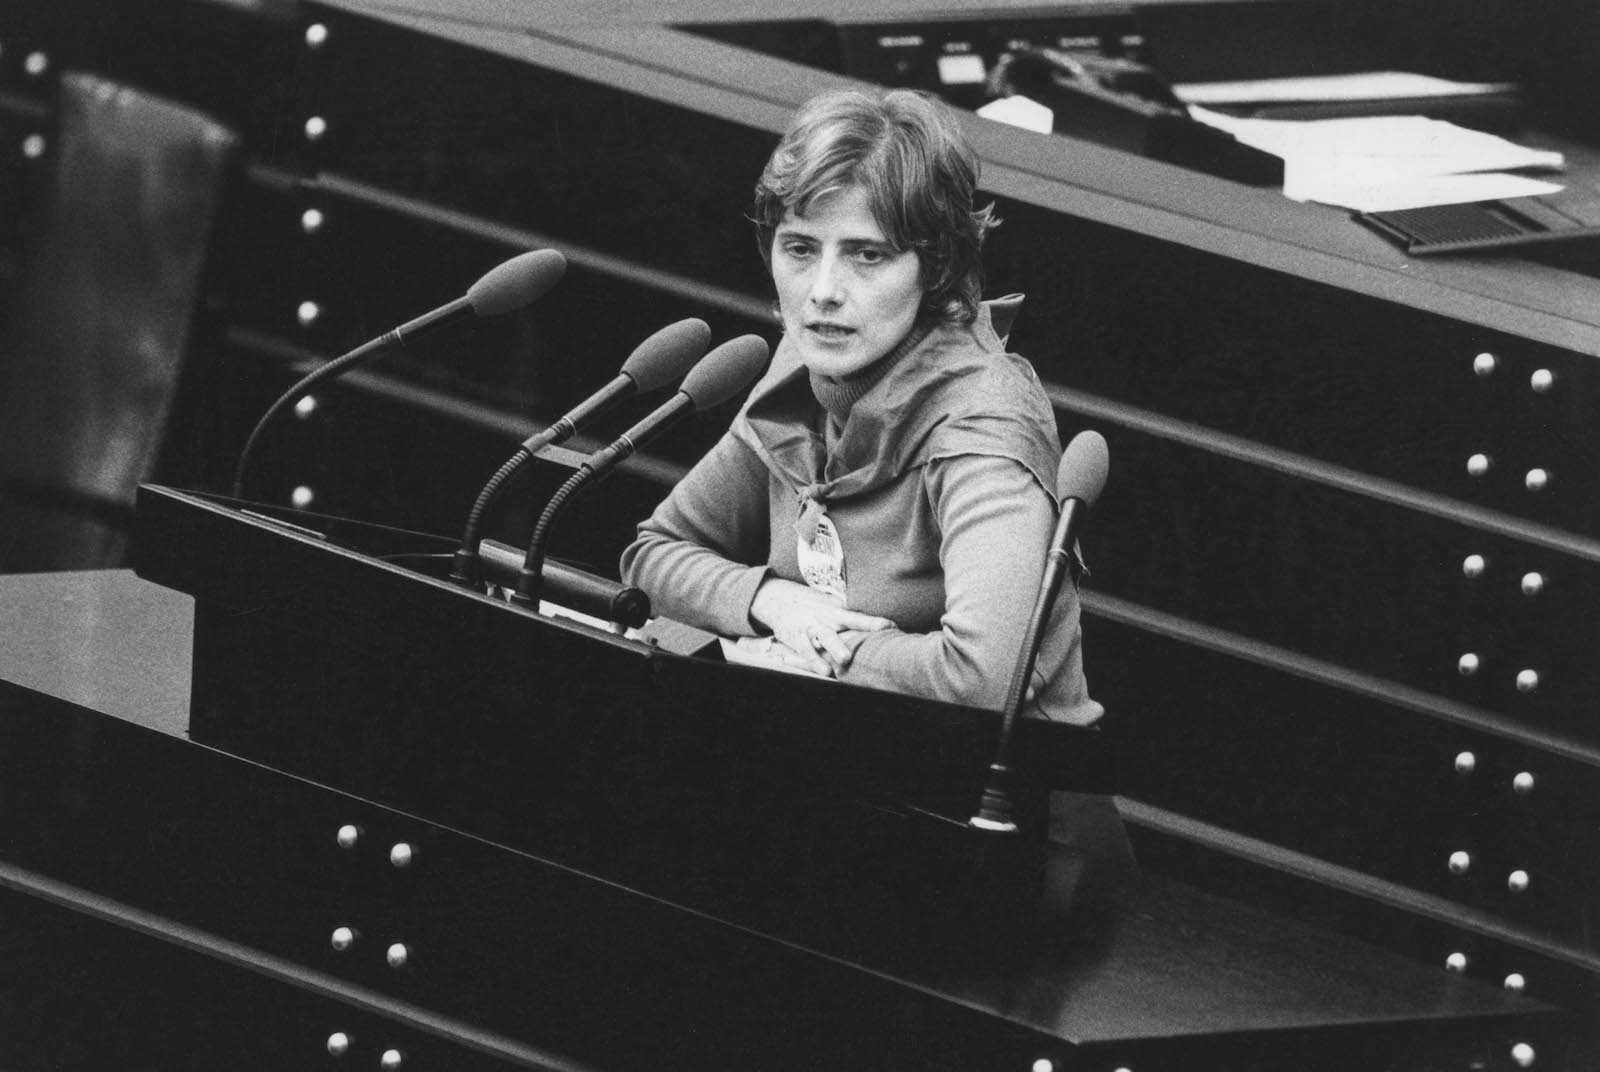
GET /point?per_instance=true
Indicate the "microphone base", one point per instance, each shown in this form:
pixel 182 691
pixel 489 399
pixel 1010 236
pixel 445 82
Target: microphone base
pixel 996 814
pixel 464 569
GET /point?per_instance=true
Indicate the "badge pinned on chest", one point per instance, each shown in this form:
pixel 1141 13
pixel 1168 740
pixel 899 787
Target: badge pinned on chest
pixel 822 559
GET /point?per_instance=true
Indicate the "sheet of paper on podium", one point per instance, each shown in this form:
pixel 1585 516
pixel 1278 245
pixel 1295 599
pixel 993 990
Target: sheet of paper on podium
pixel 1359 86
pixel 1378 163
pixel 767 652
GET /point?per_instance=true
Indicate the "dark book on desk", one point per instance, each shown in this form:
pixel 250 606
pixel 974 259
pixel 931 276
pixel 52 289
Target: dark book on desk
pixel 1570 214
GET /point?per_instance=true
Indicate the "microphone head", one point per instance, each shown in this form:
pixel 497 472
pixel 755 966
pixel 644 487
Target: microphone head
pixel 520 281
pixel 1085 464
pixel 664 356
pixel 725 371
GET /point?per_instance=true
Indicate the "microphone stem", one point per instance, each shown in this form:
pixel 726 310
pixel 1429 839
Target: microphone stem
pixel 458 309
pixel 528 581
pixel 994 813
pixel 594 468
pixel 293 394
pixel 465 569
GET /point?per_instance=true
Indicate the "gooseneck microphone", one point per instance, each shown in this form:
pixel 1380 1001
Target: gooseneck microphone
pixel 510 286
pixel 654 363
pixel 719 376
pixel 1080 479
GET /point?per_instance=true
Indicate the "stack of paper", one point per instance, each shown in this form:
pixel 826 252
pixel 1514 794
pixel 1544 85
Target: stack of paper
pixel 1375 87
pixel 1382 163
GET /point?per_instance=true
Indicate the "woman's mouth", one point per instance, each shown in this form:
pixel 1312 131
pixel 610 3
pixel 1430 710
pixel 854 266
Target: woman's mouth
pixel 825 330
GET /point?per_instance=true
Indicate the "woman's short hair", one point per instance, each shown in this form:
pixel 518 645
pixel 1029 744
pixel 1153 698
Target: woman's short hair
pixel 904 149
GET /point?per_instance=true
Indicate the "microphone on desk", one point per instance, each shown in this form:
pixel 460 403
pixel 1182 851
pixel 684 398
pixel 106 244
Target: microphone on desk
pixel 1080 479
pixel 654 363
pixel 719 376
pixel 510 286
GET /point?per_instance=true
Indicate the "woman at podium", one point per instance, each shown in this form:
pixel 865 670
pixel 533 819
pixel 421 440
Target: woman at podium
pixel 880 510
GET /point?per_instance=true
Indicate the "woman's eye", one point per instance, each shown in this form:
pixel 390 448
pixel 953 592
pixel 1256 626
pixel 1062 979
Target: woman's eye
pixel 796 249
pixel 871 256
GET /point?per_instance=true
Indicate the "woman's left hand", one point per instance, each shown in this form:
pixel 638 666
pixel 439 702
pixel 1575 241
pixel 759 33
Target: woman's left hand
pixel 826 648
pixel 820 633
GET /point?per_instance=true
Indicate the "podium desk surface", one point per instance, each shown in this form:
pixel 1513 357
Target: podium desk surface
pixel 103 639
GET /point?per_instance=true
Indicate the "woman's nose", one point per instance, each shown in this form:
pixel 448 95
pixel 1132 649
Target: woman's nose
pixel 825 282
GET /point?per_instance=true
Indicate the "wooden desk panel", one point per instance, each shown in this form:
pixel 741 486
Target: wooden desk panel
pixel 239 865
pixel 1352 572
pixel 103 639
pixel 1270 749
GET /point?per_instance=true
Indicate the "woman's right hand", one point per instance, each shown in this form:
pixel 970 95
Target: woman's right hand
pixel 809 623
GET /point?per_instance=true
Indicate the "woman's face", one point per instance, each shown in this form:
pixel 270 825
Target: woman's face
pixel 846 297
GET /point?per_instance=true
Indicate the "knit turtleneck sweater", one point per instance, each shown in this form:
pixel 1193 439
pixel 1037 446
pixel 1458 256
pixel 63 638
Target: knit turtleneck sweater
pixel 837 394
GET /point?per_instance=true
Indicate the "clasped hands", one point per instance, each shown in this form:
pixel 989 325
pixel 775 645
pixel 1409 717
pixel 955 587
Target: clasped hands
pixel 817 632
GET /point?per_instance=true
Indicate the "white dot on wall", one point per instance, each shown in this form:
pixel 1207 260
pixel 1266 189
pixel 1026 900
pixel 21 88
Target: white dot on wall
pixel 33 146
pixel 302 497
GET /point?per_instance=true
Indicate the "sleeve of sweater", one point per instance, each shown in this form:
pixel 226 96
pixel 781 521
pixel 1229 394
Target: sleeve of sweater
pixel 702 554
pixel 995 523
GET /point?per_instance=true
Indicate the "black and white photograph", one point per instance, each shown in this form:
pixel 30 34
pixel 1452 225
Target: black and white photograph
pixel 805 536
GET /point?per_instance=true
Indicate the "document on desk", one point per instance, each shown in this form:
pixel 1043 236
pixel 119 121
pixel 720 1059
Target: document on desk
pixel 1382 163
pixel 765 652
pixel 1374 86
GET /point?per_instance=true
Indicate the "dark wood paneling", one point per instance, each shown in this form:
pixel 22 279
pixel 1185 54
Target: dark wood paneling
pixel 1367 384
pixel 1353 579
pixel 160 1005
pixel 372 263
pixel 1325 771
pixel 581 161
pixel 244 865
